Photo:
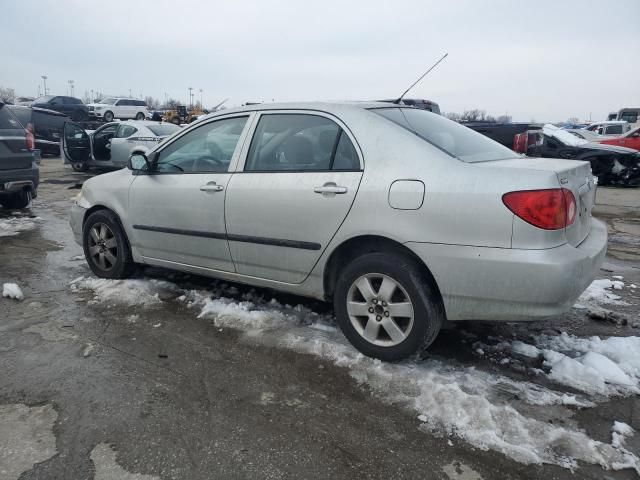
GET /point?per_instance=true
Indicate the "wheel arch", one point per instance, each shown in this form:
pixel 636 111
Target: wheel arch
pixel 355 247
pixel 96 208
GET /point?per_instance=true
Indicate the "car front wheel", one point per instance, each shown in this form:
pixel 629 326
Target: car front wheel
pixel 108 117
pixel 387 307
pixel 105 246
pixel 140 116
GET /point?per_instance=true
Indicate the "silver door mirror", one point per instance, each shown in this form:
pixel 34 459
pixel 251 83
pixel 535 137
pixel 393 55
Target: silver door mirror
pixel 138 162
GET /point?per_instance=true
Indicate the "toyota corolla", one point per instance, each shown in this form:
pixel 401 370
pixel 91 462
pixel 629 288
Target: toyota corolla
pixel 400 217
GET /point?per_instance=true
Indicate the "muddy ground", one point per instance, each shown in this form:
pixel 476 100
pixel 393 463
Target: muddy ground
pixel 87 393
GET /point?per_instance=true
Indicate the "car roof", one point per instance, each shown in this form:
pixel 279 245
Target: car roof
pixel 329 107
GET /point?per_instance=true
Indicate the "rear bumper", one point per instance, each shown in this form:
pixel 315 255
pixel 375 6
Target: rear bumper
pixel 12 181
pixel 479 283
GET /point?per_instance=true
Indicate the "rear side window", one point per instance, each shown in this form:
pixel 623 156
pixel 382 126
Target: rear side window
pixel 23 114
pixel 8 121
pixel 300 142
pixel 139 103
pixel 163 129
pixel 450 137
pixel 631 117
pixel 614 130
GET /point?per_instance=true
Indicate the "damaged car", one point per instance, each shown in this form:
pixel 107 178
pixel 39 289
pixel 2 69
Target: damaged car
pixel 110 145
pixel 612 164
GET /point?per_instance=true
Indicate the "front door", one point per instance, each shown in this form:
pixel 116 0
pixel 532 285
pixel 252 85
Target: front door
pixel 300 177
pixel 76 144
pixel 177 211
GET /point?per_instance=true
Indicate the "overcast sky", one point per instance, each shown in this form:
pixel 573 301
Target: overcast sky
pixel 542 60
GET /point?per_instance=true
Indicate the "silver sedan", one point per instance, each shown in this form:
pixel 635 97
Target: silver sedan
pixel 111 145
pixel 398 216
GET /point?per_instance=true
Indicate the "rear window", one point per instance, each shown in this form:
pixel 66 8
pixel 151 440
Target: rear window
pixel 164 129
pixel 450 137
pixel 22 113
pixel 8 121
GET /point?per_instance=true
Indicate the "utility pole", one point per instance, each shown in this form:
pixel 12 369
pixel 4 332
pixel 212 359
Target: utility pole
pixel 201 105
pixel 70 88
pixel 38 89
pixel 190 97
pixel 92 97
pixel 44 81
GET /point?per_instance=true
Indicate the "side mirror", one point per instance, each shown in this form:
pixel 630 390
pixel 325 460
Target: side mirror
pixel 138 162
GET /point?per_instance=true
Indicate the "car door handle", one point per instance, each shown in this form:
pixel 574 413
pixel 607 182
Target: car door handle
pixel 330 188
pixel 211 187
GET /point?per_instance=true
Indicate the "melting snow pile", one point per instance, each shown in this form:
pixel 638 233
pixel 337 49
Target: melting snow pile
pixel 599 292
pixel 123 292
pixel 490 411
pixel 12 290
pixel 14 225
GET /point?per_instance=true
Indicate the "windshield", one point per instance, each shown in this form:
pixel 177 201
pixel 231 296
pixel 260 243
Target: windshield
pixel 451 137
pixel 108 100
pixel 164 129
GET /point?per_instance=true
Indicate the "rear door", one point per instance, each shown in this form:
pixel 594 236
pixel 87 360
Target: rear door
pixel 76 144
pixel 298 182
pixel 13 145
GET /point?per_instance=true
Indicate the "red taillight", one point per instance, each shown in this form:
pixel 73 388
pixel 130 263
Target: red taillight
pixel 28 136
pixel 550 209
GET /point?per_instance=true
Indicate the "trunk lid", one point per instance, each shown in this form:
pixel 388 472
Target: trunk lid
pixel 573 175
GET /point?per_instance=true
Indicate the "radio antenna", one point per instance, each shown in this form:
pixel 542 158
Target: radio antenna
pixel 423 75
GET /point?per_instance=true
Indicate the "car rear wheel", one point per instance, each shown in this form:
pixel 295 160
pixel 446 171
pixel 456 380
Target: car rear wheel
pixel 78 116
pixel 108 116
pixel 140 116
pixel 105 246
pixel 20 199
pixel 80 166
pixel 386 307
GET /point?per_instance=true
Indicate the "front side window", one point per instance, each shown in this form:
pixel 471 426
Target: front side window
pixel 454 139
pixel 300 142
pixel 208 148
pixel 121 103
pixel 108 101
pixel 631 117
pixel 126 131
pixel 56 101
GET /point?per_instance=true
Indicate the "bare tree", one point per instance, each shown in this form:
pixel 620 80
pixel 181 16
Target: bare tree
pixel 86 98
pixel 573 120
pixel 474 115
pixel 7 95
pixel 504 119
pixel 171 103
pixel 456 117
pixel 151 102
pixel 490 118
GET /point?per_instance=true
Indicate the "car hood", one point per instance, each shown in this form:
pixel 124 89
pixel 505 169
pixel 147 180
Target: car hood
pixel 607 147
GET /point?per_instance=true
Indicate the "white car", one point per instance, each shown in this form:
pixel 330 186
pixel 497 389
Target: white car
pixel 112 144
pixel 123 108
pixel 611 128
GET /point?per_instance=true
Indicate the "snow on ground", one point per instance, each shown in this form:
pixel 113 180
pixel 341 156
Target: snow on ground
pixel 12 290
pixel 488 410
pixel 14 225
pixel 599 292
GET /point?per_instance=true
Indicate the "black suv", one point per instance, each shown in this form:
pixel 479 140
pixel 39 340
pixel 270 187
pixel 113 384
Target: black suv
pixel 19 173
pixel 46 126
pixel 70 106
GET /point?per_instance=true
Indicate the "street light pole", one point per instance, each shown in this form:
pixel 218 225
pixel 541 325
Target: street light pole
pixel 190 97
pixel 201 106
pixel 71 88
pixel 44 80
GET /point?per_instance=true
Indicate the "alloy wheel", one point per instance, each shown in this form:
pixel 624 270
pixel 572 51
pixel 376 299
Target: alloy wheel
pixel 103 246
pixel 380 309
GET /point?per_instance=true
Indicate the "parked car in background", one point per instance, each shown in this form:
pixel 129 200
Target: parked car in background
pixel 111 145
pixel 46 126
pixel 420 103
pixel 24 100
pixel 609 128
pixel 503 133
pixel 586 134
pixel 627 114
pixel 19 172
pixel 399 216
pixel 613 165
pixel 70 106
pixel 631 139
pixel 110 108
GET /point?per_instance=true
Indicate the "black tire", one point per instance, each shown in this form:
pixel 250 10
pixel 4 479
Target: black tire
pixel 140 116
pixel 78 116
pixel 427 308
pixel 123 265
pixel 80 166
pixel 16 200
pixel 175 120
pixel 108 116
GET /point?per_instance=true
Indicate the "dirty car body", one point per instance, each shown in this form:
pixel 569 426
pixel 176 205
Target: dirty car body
pixel 399 216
